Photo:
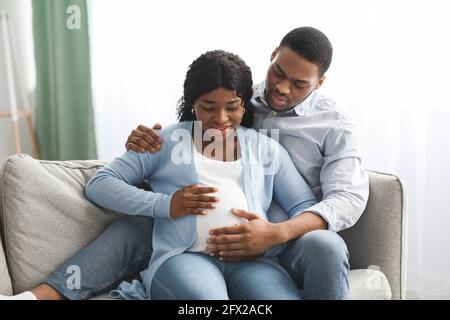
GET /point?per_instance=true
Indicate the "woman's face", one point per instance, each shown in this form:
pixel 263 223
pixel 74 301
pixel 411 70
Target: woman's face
pixel 220 111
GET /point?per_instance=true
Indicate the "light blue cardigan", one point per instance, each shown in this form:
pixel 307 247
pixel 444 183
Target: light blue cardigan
pixel 268 172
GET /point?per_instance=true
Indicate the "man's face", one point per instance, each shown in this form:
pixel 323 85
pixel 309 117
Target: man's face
pixel 290 79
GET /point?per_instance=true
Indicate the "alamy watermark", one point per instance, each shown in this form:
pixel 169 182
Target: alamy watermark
pixel 74 280
pixel 259 149
pixel 375 277
pixel 73 20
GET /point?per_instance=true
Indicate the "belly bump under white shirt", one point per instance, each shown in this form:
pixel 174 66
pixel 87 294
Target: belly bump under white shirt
pixel 228 179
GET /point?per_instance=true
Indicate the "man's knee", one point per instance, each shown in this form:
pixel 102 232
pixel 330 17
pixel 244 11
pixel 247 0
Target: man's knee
pixel 324 244
pixel 318 245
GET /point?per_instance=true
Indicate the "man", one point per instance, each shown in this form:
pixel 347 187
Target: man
pixel 323 145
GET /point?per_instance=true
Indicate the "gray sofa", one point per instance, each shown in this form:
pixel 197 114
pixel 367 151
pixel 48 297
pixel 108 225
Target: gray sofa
pixel 45 219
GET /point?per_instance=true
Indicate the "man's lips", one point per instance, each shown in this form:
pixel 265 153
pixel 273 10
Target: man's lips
pixel 278 98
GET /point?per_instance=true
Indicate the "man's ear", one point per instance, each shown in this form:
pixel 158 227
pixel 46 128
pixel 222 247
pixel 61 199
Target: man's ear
pixel 320 82
pixel 274 54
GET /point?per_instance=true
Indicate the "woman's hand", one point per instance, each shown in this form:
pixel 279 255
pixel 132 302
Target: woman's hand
pixel 144 138
pixel 192 199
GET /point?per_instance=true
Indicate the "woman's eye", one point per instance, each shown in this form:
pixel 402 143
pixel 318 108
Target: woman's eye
pixel 208 108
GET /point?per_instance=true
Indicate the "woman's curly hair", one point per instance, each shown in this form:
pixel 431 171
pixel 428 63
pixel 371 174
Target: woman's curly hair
pixel 213 70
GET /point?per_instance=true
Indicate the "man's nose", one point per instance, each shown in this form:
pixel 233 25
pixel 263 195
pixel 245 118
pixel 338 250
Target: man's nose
pixel 283 87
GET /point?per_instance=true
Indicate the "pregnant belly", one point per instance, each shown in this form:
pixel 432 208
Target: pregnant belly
pixel 221 216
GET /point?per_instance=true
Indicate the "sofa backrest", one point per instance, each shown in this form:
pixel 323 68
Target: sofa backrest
pixel 45 217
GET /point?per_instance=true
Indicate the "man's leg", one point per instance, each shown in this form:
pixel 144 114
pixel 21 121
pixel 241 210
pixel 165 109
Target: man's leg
pixel 189 276
pixel 318 261
pixel 121 251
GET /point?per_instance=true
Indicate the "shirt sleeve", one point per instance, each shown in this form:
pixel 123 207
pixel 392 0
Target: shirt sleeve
pixel 344 181
pixel 114 186
pixel 290 189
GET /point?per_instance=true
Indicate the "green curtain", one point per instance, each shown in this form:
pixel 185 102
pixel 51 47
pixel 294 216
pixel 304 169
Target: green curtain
pixel 64 113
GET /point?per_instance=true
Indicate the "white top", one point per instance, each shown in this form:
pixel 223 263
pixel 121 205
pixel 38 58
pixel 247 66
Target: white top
pixel 227 177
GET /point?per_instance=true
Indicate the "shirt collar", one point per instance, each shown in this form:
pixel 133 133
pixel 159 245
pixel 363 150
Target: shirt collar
pixel 300 109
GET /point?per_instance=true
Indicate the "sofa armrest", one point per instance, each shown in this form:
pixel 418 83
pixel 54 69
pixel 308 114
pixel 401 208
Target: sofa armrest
pixel 378 239
pixel 5 279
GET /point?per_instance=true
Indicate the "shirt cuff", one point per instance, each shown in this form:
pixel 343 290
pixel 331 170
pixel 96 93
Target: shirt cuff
pixel 162 206
pixel 324 214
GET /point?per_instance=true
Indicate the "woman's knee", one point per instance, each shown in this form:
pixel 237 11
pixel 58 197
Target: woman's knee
pixel 188 276
pixel 132 233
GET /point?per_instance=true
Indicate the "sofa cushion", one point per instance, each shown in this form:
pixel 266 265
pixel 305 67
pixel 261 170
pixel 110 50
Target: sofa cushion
pixel 45 216
pixel 368 284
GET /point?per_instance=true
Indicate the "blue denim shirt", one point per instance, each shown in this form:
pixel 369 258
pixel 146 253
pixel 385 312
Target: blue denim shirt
pixel 267 169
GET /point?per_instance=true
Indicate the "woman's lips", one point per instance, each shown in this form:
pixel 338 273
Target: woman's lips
pixel 221 128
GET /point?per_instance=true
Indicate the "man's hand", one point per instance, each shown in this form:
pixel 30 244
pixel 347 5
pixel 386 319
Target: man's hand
pixel 144 138
pixel 243 241
pixel 192 200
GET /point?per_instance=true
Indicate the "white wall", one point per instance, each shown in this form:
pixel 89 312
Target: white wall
pixel 21 22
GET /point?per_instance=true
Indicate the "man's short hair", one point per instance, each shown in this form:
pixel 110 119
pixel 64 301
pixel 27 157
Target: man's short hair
pixel 311 44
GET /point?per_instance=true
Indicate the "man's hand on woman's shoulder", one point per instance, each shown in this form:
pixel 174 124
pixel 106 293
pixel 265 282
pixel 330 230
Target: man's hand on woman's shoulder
pixel 144 139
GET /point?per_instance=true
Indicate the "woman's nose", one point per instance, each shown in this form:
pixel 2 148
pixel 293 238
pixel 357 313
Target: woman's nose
pixel 221 116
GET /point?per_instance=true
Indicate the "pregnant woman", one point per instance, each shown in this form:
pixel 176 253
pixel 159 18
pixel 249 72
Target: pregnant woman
pixel 211 166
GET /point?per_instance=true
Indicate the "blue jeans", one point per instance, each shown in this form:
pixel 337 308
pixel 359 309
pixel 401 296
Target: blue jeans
pixel 197 276
pixel 317 261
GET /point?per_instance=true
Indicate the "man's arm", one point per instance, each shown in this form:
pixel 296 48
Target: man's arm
pixel 344 181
